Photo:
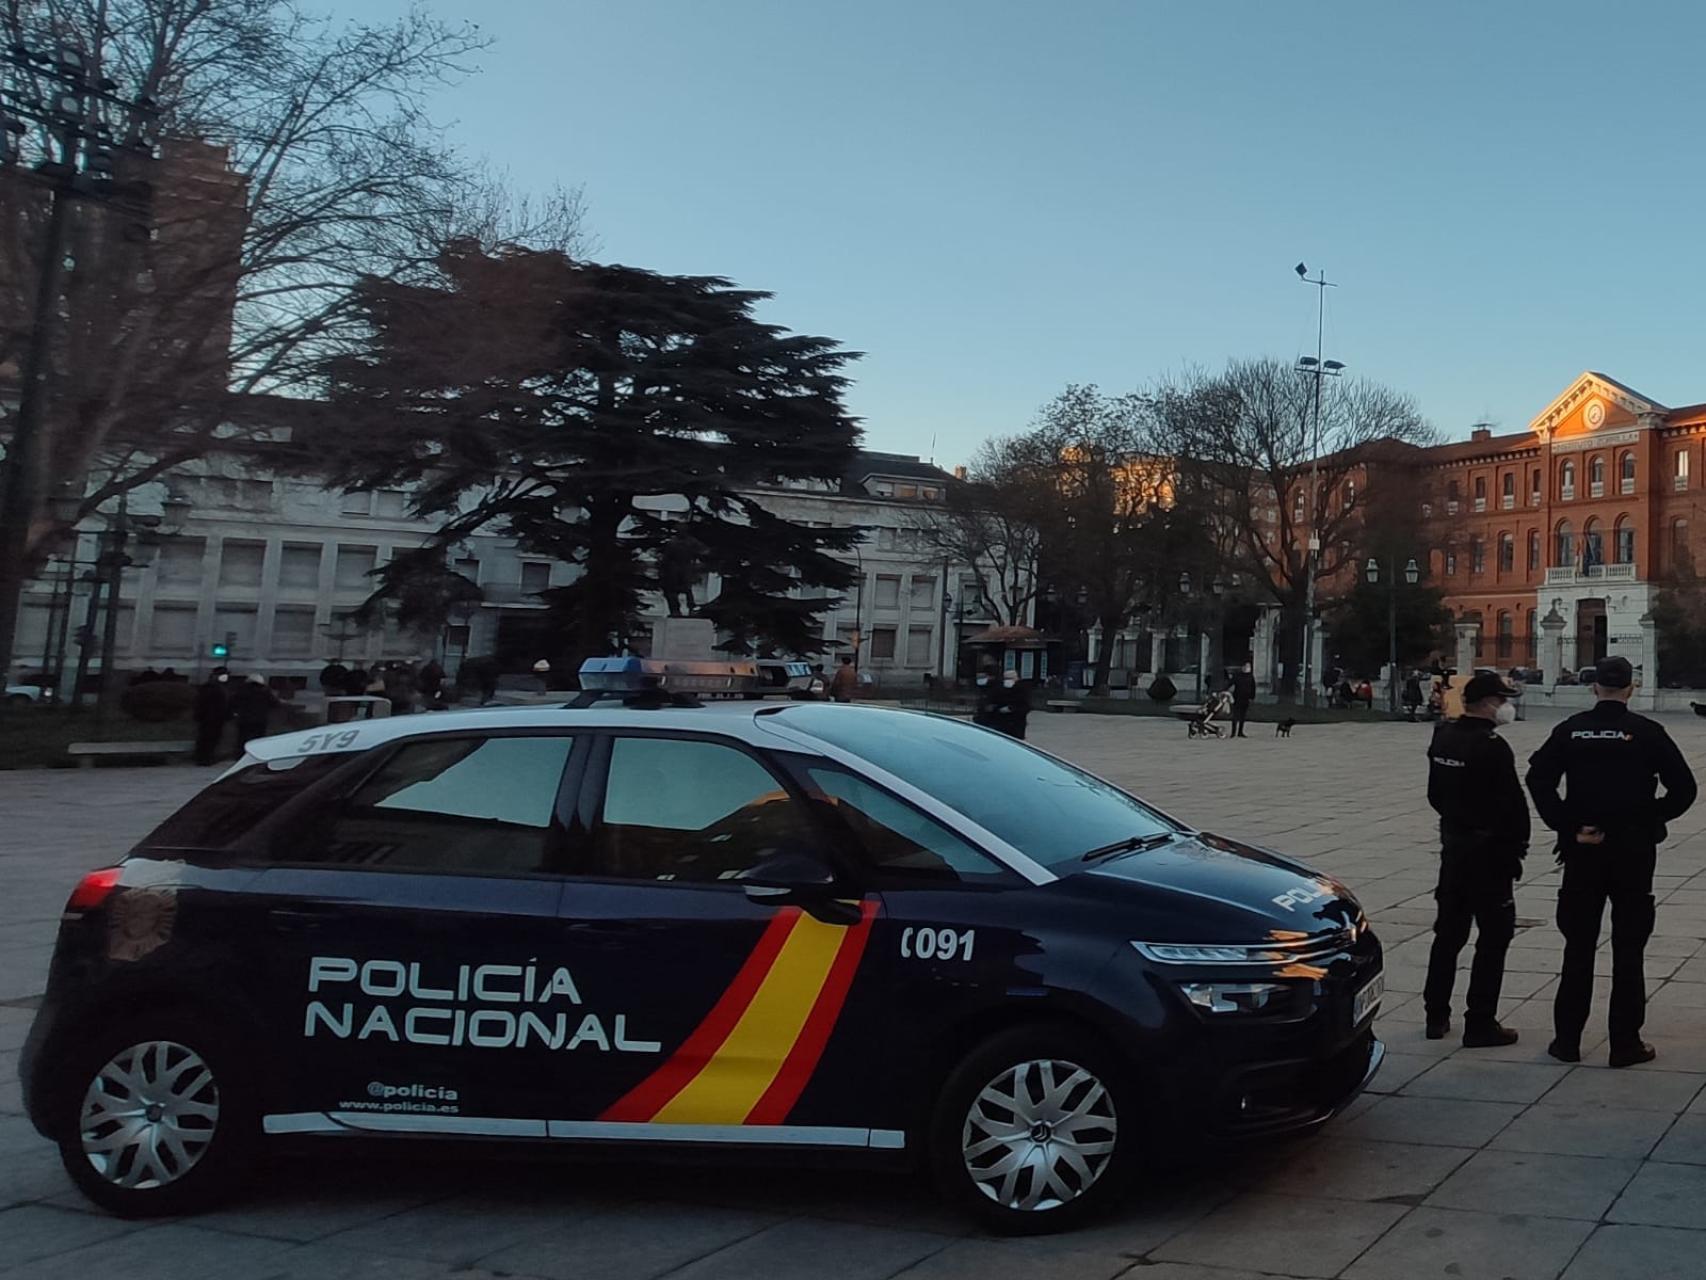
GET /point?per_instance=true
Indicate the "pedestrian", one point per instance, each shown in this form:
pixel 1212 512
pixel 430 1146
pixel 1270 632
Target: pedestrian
pixel 1610 822
pixel 334 678
pixel 431 683
pixel 1483 836
pixel 1017 709
pixel 251 706
pixel 1412 696
pixel 845 682
pixel 212 709
pixel 1243 694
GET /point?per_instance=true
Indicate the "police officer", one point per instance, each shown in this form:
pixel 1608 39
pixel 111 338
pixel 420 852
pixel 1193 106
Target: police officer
pixel 1483 835
pixel 1610 822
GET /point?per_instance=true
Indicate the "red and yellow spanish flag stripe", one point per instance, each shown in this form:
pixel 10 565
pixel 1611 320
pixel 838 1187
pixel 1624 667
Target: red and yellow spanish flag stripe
pixel 752 1055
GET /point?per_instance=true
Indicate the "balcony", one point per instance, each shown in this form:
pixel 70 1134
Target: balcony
pixel 1480 504
pixel 1570 576
pixel 1508 501
pixel 1596 488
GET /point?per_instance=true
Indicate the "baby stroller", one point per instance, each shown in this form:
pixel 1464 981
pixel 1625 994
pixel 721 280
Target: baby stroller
pixel 1203 726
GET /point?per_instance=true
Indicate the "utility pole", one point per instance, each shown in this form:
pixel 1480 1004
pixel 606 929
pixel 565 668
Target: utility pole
pixel 1317 368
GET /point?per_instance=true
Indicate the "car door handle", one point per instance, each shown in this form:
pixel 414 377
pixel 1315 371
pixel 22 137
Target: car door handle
pixel 299 918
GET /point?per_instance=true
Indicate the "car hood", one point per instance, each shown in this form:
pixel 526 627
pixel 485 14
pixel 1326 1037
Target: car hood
pixel 1244 892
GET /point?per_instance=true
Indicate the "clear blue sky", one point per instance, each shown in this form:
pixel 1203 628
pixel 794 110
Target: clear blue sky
pixel 992 198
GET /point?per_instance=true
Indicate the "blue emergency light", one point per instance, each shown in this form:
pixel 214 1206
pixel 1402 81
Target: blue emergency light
pixel 668 675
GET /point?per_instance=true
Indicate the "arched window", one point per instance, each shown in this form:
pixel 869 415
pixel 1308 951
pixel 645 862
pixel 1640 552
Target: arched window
pixel 1596 477
pixel 1679 558
pixel 1593 543
pixel 1564 546
pixel 1533 549
pixel 1567 478
pixel 1507 552
pixel 1626 472
pixel 1507 635
pixel 1624 547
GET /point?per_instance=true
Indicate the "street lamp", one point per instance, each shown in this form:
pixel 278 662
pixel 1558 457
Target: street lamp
pixel 1315 367
pixel 68 131
pixel 1412 575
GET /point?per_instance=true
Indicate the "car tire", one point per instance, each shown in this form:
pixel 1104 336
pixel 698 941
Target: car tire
pixel 193 1133
pixel 1073 1129
pixel 19 700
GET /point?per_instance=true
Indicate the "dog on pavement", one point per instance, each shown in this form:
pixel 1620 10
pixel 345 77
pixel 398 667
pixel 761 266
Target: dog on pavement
pixel 1283 728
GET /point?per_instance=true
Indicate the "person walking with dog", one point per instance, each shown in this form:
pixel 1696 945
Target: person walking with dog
pixel 1610 822
pixel 1483 836
pixel 1243 694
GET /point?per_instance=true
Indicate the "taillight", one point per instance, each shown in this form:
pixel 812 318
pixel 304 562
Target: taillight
pixel 92 890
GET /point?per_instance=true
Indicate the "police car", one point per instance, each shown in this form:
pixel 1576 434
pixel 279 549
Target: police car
pixel 645 922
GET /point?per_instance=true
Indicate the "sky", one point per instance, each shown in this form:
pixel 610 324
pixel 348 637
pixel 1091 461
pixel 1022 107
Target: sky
pixel 992 198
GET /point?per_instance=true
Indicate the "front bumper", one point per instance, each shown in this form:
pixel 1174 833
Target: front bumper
pixel 1292 1095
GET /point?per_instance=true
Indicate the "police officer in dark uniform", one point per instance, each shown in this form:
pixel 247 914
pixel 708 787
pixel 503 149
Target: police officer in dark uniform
pixel 1483 835
pixel 1610 822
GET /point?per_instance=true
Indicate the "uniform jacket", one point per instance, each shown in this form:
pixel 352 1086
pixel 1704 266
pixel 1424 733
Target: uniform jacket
pixel 1472 785
pixel 1611 761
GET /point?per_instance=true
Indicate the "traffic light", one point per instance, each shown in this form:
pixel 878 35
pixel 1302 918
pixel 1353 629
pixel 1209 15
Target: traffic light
pixel 222 648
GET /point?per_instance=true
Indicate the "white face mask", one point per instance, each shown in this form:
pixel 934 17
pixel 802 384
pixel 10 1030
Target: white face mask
pixel 983 679
pixel 1009 679
pixel 1506 714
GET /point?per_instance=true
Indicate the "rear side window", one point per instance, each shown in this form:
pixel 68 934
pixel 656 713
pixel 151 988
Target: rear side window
pixel 233 806
pixel 474 805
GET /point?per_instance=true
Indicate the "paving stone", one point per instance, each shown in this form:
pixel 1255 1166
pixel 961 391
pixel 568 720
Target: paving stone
pixel 173 1251
pixel 1471 1246
pixel 1046 1259
pixel 631 1242
pixel 1584 1131
pixel 803 1247
pixel 1486 1080
pixel 30 1232
pixel 1353 1169
pixel 1665 1195
pixel 1447 1122
pixel 1685 1143
pixel 1288 1235
pixel 1533 1183
pixel 1617 1252
pixel 1637 1089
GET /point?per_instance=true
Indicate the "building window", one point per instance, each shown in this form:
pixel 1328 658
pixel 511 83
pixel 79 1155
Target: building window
pixel 1596 477
pixel 356 503
pixel 1507 552
pixel 1567 480
pixel 923 592
pixel 235 625
pixel 1626 473
pixel 1534 487
pixel 1679 557
pixel 468 567
pixel 240 563
pixel 1452 493
pixel 292 632
pixel 1679 469
pixel 1507 635
pixel 1480 493
pixel 174 628
pixel 888 592
pixel 1533 549
pixel 882 643
pixel 1593 544
pixel 1507 491
pixel 1297 506
pixel 1625 544
pixel 535 577
pixel 920 646
pixel 1564 547
pixel 390 503
pixel 355 568
pixel 299 567
pixel 181 560
pixel 1477 555
pixel 1451 564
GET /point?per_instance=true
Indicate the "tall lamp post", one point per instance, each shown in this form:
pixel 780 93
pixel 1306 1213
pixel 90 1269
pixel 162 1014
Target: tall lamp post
pixel 1412 575
pixel 1216 589
pixel 1314 367
pixel 63 127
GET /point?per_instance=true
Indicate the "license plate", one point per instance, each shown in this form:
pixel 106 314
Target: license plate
pixel 1365 1001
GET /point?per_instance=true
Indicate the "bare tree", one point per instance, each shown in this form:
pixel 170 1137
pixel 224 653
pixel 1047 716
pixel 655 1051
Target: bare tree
pixel 992 522
pixel 298 159
pixel 1248 435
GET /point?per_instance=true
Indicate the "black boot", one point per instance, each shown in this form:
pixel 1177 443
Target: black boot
pixel 1632 1054
pixel 1438 1028
pixel 1565 1052
pixel 1488 1035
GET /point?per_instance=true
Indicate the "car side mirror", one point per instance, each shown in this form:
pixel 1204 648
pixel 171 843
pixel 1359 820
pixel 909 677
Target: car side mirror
pixel 789 875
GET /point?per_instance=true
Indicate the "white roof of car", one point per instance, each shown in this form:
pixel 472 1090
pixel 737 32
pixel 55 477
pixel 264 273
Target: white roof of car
pixel 735 719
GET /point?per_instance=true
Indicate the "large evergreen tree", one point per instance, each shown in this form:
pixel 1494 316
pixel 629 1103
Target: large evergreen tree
pixel 546 398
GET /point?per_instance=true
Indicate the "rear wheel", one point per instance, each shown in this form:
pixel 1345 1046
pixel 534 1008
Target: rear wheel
pixel 1033 1130
pixel 160 1118
pixel 19 700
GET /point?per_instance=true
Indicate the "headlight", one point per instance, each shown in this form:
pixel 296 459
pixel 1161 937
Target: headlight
pixel 1235 997
pixel 1206 953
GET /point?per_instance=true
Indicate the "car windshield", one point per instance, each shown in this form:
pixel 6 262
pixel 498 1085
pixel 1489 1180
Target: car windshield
pixel 1041 806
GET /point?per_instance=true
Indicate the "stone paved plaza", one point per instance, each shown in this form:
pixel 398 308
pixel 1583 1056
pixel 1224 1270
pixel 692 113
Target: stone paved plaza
pixel 1477 1165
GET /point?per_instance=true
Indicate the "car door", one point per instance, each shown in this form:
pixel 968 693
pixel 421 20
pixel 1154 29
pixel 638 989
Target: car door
pixel 707 1010
pixel 411 943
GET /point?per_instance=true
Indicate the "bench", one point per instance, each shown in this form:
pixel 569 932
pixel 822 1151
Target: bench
pixel 1071 704
pixel 86 753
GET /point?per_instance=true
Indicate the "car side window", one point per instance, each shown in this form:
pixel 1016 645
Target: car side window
pixel 680 809
pixel 898 840
pixel 470 805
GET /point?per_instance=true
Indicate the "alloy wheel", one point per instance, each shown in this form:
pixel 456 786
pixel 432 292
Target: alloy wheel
pixel 149 1115
pixel 1039 1135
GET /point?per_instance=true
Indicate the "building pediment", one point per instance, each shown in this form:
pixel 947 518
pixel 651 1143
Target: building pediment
pixel 1594 403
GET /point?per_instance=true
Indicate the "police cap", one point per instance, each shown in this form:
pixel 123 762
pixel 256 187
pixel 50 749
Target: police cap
pixel 1613 673
pixel 1486 685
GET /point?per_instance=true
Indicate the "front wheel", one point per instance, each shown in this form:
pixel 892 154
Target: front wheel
pixel 1033 1130
pixel 160 1118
